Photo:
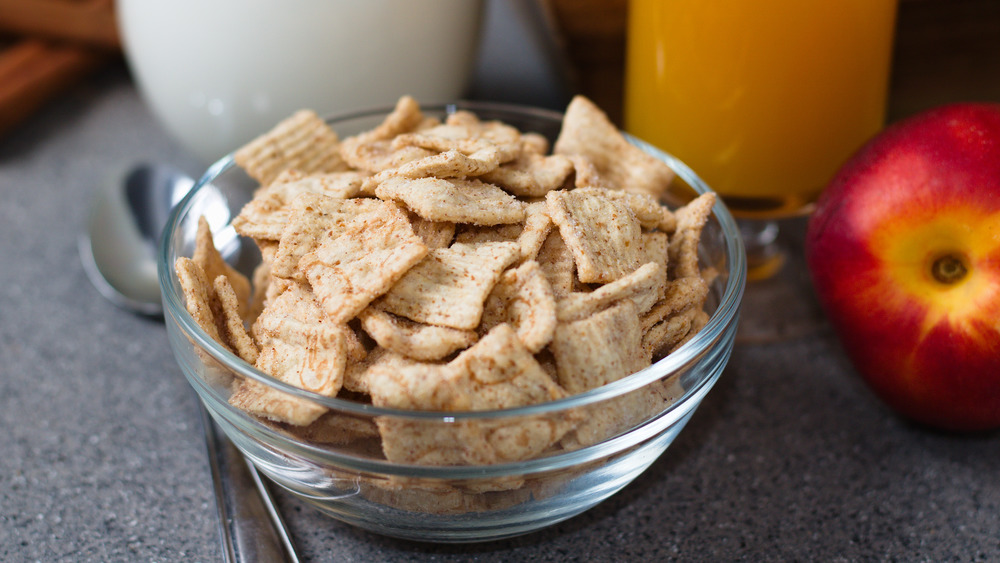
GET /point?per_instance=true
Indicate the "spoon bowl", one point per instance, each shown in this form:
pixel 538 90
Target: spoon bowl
pixel 128 213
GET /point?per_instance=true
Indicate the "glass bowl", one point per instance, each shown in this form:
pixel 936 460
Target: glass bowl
pixel 348 478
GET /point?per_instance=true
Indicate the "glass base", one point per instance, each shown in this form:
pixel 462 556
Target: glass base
pixel 779 303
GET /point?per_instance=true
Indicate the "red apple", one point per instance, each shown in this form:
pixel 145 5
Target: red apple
pixel 904 252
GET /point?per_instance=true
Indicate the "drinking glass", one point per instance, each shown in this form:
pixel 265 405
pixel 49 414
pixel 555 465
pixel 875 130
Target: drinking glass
pixel 764 99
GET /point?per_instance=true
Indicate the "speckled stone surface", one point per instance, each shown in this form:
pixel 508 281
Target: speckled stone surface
pixel 102 459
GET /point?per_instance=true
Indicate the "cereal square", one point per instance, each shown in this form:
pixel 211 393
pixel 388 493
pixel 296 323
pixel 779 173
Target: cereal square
pixel 602 233
pixel 303 142
pixel 448 288
pixel 372 252
pixel 599 349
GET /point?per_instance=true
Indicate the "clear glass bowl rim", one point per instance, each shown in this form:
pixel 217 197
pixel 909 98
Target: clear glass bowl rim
pixel 681 359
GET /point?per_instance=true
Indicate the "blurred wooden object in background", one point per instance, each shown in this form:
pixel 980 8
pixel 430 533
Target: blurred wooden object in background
pixel 593 34
pixel 33 72
pixel 946 51
pixel 87 22
pixel 47 46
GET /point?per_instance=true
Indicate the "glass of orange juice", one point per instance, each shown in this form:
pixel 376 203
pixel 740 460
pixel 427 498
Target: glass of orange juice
pixel 764 99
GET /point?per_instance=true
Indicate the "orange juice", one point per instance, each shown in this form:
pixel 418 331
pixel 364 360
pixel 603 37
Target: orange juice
pixel 764 99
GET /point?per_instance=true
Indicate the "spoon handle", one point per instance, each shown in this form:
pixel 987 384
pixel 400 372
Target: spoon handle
pixel 250 526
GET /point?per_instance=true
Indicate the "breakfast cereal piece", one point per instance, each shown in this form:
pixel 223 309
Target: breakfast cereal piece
pixel 710 274
pixel 462 117
pixel 449 286
pixel 666 335
pixel 679 294
pixel 587 131
pixel 534 143
pixel 448 138
pixel 492 142
pixel 356 375
pixel 646 208
pixel 496 372
pixel 378 156
pixel 416 386
pixel 599 349
pixel 557 264
pixel 457 201
pixel 427 496
pixel 336 429
pixel 276 286
pixel 265 401
pixel 235 331
pixel 482 492
pixel 268 249
pixel 295 307
pixel 676 335
pixel 199 298
pixel 408 498
pixel 607 419
pixel 537 226
pixel 372 252
pixel 372 150
pixel 405 384
pixel 478 234
pixel 505 138
pixel 214 265
pixel 655 246
pixel 203 305
pixel 451 164
pixel 502 135
pixel 585 173
pixel 602 233
pixel 411 339
pixel 531 174
pixel 545 359
pixel 462 147
pixel 699 321
pixel 261 280
pixel 406 116
pixel 435 234
pixel 523 299
pixel 357 349
pixel 293 303
pixel 643 287
pixel 355 379
pixel 499 372
pixel 684 242
pixel 310 356
pixel 344 184
pixel 266 214
pixel 668 223
pixel 303 142
pixel 263 217
pixel 311 219
pixel 296 302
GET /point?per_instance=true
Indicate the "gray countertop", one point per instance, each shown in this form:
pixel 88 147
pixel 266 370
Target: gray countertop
pixel 101 453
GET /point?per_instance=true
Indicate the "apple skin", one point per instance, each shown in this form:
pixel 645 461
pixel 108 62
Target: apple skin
pixel 904 253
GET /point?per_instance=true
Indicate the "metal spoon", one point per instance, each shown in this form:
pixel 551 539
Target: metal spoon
pixel 118 254
pixel 119 246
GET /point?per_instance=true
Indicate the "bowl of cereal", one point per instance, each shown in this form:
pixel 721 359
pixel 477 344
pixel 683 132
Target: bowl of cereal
pixel 452 323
